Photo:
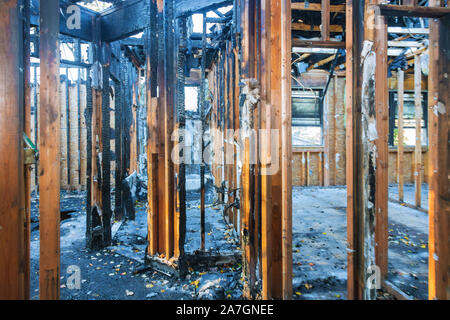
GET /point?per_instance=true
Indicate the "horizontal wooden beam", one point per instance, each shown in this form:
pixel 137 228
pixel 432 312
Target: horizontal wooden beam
pixel 120 22
pixel 340 8
pixel 188 7
pixel 408 30
pixel 299 26
pixel 390 10
pixel 317 44
pixel 396 292
pixel 85 30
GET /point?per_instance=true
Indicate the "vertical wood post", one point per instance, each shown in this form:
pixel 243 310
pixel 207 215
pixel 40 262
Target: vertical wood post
pixel 354 154
pixel 202 146
pixel 266 148
pixel 418 114
pixel 12 189
pixel 382 155
pixel 439 165
pixel 400 147
pixel 49 164
pixel 151 51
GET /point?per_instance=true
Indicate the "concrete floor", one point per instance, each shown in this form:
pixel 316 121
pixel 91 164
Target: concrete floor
pixel 409 194
pixel 319 244
pixel 319 251
pixel 112 273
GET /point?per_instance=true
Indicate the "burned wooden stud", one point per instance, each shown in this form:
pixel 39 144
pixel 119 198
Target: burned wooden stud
pixel 12 218
pixel 266 148
pixel 325 27
pixel 161 81
pixel 249 97
pixel 49 147
pixel 169 190
pixel 418 117
pixel 118 125
pixel 202 98
pixel 382 153
pixel 276 183
pixel 151 46
pixel 286 150
pixel 400 147
pixel 106 147
pixel 354 154
pixel 438 106
pixel 66 84
pixel 27 131
pixel 78 58
pixel 180 210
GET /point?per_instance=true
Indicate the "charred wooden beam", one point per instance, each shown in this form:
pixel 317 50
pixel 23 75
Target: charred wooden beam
pixel 169 72
pixel 418 125
pixel 382 158
pixel 151 52
pixel 306 6
pixel 390 10
pixel 180 169
pixel 27 131
pixel 325 26
pixel 12 217
pixel 106 146
pixel 439 196
pixel 202 98
pixel 187 7
pixel 354 156
pixel 317 44
pixel 300 26
pixel 121 21
pixel 400 148
pixel 50 157
pixel 84 31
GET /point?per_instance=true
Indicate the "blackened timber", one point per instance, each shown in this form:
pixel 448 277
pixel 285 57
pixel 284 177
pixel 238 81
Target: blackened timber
pixel 151 51
pixel 49 162
pixel 248 84
pixel 84 32
pixel 317 43
pixel 118 110
pixel 160 124
pixel 202 117
pixel 78 58
pixel 439 164
pixel 180 217
pixel 27 130
pixel 11 151
pixel 66 83
pixel 106 147
pixel 390 10
pixel 382 160
pixel 88 119
pixel 286 150
pixel 265 115
pixel 169 105
pixel 188 7
pixel 121 21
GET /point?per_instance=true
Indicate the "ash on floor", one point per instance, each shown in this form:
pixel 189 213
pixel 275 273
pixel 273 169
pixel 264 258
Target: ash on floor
pixel 319 245
pixel 112 273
